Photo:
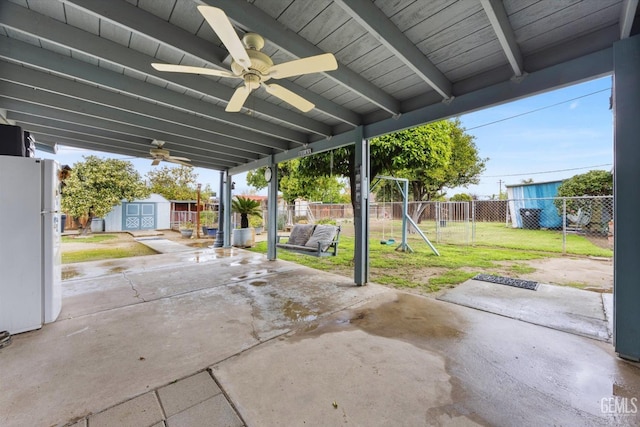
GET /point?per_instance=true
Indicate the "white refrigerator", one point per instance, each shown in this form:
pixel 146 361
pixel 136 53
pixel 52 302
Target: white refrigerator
pixel 30 254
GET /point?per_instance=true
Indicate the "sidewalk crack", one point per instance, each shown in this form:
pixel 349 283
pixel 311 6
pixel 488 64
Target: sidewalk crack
pixel 133 288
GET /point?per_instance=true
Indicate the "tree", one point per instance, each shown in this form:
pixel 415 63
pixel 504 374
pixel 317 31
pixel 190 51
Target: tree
pixel 432 157
pixel 96 185
pixel 245 207
pixel 592 183
pixel 461 197
pixel 293 184
pixel 177 183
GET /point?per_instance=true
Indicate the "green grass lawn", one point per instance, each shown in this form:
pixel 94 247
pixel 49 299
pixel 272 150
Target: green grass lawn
pixel 498 235
pixel 106 253
pixel 420 269
pixel 112 248
pixel 498 250
pixel 98 238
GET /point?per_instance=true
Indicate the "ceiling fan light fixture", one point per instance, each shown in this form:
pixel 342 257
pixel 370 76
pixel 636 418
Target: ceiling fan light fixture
pixel 253 66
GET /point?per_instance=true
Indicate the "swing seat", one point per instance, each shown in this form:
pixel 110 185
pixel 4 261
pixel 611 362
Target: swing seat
pixel 309 239
pixel 387 242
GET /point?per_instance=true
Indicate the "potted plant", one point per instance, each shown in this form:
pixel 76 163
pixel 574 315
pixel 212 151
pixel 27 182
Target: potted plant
pixel 186 229
pixel 245 207
pixel 208 220
pixel 255 222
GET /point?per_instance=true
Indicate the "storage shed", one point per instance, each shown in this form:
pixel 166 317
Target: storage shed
pixel 152 213
pixel 531 205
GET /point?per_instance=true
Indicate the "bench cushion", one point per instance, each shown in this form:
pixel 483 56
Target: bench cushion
pixel 323 233
pixel 296 247
pixel 300 234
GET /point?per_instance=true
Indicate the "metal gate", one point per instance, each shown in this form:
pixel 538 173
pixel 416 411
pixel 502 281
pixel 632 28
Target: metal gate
pixel 452 222
pixel 138 216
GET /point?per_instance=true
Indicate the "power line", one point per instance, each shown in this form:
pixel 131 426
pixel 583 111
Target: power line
pixel 539 173
pixel 537 109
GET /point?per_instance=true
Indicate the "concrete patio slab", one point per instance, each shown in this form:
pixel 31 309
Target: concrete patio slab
pixel 183 319
pixel 224 337
pixel 567 309
pixel 215 411
pixel 402 359
pixel 142 411
pixel 183 394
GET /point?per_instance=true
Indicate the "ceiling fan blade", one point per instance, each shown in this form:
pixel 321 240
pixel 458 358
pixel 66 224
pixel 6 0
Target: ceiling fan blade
pixel 179 162
pixel 184 159
pixel 237 100
pixel 172 68
pixel 312 64
pixel 287 96
pixel 155 162
pixel 220 23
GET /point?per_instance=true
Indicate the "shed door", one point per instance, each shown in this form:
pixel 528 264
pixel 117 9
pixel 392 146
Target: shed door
pixel 139 216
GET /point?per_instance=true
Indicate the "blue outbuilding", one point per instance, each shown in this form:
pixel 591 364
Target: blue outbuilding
pixel 531 205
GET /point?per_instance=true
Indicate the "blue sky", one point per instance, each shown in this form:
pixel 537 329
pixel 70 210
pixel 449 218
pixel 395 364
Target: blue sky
pixel 570 135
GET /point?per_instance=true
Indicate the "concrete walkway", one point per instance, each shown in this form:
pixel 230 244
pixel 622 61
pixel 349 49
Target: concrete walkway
pixel 563 308
pixel 163 246
pixel 225 337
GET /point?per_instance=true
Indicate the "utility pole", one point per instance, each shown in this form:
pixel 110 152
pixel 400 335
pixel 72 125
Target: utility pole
pixel 500 188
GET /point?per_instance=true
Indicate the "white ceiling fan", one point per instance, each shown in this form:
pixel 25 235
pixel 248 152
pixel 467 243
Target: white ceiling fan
pixel 159 154
pixel 253 66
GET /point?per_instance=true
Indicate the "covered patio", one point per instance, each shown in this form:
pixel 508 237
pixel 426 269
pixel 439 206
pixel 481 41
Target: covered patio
pixel 226 337
pixel 78 73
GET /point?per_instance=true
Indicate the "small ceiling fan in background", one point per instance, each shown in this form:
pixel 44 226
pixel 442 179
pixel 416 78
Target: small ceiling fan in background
pixel 253 66
pixel 159 154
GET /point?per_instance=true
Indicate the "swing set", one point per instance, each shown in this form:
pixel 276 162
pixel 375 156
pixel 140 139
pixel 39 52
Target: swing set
pixel 385 240
pixel 406 219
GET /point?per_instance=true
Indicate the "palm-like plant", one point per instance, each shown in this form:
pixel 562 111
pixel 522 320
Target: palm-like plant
pixel 245 207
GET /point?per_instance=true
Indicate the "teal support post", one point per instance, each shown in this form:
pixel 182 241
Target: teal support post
pixel 361 208
pixel 272 213
pixel 404 246
pixel 626 289
pixel 228 185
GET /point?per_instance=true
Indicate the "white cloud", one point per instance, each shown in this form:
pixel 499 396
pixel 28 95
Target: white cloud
pixel 574 105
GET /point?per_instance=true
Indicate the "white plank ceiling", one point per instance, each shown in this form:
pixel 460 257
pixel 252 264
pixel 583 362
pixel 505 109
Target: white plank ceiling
pixel 78 73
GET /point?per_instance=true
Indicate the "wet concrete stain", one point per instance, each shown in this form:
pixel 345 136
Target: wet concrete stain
pixel 244 261
pixel 418 321
pixel 200 258
pixel 252 274
pixel 200 244
pixel 258 283
pixel 70 273
pixel 297 312
pixel 209 255
pixel 109 263
pixel 119 269
pixel 410 318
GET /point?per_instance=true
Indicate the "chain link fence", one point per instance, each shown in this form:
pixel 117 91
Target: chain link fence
pixel 579 225
pixel 570 225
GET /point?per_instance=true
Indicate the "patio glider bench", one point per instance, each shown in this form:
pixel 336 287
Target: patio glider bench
pixel 309 239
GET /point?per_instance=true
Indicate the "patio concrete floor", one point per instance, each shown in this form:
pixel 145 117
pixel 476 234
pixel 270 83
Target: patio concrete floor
pixel 225 337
